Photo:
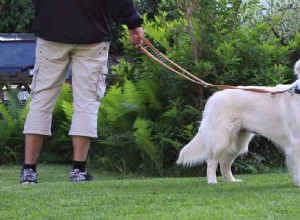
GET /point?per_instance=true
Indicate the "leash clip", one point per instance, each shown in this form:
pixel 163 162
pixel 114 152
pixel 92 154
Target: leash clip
pixel 294 90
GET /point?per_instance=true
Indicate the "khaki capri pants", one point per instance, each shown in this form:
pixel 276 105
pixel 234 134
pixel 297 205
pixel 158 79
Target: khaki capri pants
pixel 89 70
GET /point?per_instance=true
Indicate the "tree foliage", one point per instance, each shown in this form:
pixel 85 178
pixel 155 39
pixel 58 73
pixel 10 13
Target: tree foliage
pixel 16 16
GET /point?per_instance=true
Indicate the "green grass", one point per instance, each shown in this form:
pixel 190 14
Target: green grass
pixel 268 196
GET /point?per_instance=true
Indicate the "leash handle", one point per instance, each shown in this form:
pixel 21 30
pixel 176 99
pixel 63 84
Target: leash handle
pixel 165 65
pixel 191 77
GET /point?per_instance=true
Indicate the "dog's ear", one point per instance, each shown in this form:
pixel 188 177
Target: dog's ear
pixel 297 68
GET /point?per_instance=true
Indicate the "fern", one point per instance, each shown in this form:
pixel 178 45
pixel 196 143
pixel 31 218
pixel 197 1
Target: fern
pixel 65 96
pixel 11 126
pixel 148 90
pixel 188 132
pixel 14 106
pixel 144 141
pixel 24 112
pixel 68 110
pixel 124 70
pixel 122 140
pixel 12 112
pixel 171 112
pixel 5 115
pixel 112 104
pixel 131 93
pixel 7 124
pixel 171 143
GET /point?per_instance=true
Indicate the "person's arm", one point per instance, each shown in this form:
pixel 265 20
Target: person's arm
pixel 124 12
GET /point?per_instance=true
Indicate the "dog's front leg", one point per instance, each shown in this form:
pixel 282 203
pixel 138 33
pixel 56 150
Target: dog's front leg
pixel 212 165
pixel 296 163
pixel 293 160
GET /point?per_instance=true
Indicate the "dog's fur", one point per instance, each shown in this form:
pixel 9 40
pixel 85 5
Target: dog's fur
pixel 232 117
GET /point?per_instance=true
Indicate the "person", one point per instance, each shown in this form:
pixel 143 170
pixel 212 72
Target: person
pixel 75 33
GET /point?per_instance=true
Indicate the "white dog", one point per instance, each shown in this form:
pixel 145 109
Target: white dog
pixel 232 117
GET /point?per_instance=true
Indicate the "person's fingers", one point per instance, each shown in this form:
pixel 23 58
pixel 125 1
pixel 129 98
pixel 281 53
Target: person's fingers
pixel 135 36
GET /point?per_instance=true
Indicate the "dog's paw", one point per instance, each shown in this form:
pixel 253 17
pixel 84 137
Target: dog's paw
pixel 231 179
pixel 212 182
pixel 297 182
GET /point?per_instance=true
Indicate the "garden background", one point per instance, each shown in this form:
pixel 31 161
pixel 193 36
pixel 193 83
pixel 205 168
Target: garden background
pixel 148 114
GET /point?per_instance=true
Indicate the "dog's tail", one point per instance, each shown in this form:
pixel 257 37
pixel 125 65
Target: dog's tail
pixel 297 68
pixel 194 152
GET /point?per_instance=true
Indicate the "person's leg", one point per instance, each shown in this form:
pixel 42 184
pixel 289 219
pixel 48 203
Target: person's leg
pixel 81 147
pixel 33 145
pixel 52 60
pixel 89 70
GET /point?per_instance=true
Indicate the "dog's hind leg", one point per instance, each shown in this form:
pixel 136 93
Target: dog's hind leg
pixel 212 165
pixel 240 145
pixel 219 146
pixel 225 166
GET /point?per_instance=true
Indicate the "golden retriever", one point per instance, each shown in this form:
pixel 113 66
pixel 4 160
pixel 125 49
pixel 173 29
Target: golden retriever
pixel 232 117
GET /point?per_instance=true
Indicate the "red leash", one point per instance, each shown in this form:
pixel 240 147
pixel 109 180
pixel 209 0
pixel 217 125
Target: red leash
pixel 189 76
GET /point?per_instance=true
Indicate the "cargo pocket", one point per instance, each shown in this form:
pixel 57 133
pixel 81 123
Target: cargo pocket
pixel 33 82
pixel 101 84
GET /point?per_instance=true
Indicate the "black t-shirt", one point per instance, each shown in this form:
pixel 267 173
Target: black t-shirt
pixel 82 21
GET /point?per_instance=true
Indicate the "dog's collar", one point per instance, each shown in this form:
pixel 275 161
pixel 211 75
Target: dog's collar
pixel 297 90
pixel 293 90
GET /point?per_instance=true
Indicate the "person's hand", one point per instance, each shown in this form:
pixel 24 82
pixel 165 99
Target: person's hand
pixel 135 36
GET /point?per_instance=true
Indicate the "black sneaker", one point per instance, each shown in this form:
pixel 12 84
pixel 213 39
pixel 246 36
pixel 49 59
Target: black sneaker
pixel 76 175
pixel 28 176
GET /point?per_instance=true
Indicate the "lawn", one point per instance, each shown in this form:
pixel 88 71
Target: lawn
pixel 267 196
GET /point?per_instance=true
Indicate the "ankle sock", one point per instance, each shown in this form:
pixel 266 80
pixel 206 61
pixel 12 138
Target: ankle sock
pixel 30 166
pixel 80 165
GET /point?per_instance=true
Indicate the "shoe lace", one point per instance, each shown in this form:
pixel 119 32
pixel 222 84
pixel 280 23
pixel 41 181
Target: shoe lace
pixel 28 174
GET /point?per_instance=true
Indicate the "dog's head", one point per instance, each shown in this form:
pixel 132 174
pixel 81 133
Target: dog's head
pixel 297 69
